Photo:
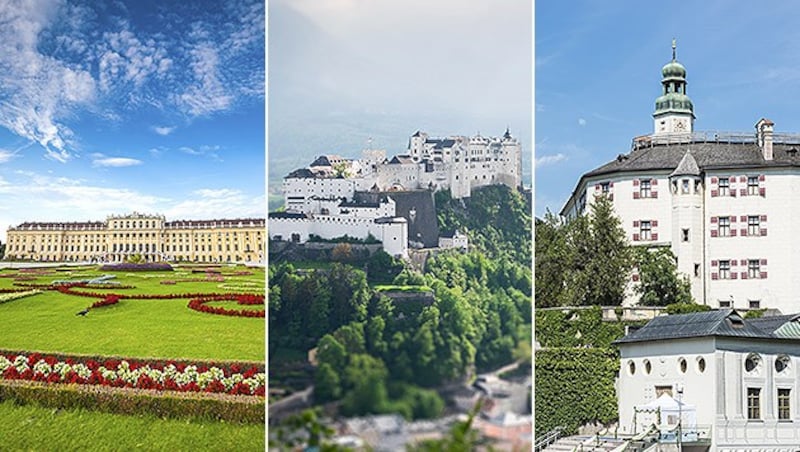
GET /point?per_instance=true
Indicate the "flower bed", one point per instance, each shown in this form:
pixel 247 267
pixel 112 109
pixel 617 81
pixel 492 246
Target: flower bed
pixel 10 296
pixel 170 376
pixel 107 301
pixel 147 267
pixel 199 304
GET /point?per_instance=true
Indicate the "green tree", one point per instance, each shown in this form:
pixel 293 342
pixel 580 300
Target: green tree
pixel 552 261
pixel 327 384
pixel 609 268
pixel 659 281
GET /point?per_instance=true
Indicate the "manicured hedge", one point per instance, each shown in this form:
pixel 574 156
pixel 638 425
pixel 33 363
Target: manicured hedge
pixel 239 409
pixel 575 386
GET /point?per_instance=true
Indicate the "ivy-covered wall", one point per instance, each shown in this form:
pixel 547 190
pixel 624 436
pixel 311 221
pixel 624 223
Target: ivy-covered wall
pixel 575 386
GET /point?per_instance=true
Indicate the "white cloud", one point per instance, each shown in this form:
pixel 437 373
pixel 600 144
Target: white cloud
pixel 581 122
pixel 5 156
pixel 207 94
pixel 204 150
pixel 163 130
pixel 115 162
pixel 549 159
pixel 219 203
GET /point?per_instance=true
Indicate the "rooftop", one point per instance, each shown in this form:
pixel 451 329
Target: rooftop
pixel 722 322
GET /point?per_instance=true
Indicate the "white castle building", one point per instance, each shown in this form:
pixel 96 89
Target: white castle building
pixel 724 203
pixel 324 199
pixel 713 381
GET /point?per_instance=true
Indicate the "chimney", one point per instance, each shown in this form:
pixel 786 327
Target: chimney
pixel 764 137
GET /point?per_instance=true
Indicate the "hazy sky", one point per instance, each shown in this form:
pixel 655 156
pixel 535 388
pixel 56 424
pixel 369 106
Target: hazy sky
pixel 598 73
pixel 345 71
pixel 112 106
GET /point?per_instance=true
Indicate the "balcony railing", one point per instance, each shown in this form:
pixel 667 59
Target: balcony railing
pixel 646 141
pixel 696 434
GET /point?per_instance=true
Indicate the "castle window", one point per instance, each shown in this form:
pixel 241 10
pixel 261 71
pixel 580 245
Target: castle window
pixel 685 186
pixel 725 269
pixel 753 268
pixel 644 188
pixel 752 185
pixel 784 399
pixel 782 363
pixel 753 225
pixel 724 186
pixel 724 226
pixel 754 403
pixel 685 235
pixel 754 304
pixel 752 362
pixel 645 230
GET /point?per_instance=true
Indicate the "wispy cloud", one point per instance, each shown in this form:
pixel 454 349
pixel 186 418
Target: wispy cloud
pixel 219 203
pixel 115 162
pixel 207 94
pixel 549 160
pixel 204 150
pixel 6 155
pixel 163 130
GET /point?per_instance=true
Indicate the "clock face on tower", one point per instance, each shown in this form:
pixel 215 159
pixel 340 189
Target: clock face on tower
pixel 680 126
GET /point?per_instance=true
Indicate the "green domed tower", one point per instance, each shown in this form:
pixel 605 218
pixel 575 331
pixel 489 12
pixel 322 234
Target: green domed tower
pixel 674 110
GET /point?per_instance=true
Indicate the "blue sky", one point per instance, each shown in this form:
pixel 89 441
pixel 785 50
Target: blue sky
pixel 343 72
pixel 109 107
pixel 598 72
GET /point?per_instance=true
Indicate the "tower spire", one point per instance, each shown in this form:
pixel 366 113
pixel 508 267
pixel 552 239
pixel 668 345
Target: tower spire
pixel 673 49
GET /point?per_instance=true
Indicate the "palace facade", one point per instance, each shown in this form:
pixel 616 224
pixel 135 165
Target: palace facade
pixel 726 204
pixel 151 236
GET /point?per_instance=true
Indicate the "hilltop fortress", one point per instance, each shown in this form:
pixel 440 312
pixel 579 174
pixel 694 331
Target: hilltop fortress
pixel 335 196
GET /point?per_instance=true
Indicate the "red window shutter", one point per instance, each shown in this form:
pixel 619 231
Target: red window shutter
pixel 733 275
pixel 713 263
pixel 733 232
pixel 763 275
pixel 763 218
pixel 655 223
pixel 714 276
pixel 654 194
pixel 636 182
pixel 635 223
pixel 611 185
pixel 743 261
pixel 744 275
pixel 713 233
pixel 635 237
pixel 762 191
pixel 742 192
pixel 655 236
pixel 597 187
pixel 732 193
pixel 761 178
pixel 733 218
pixel 763 262
pixel 744 232
pixel 653 181
pixel 733 263
pixel 763 232
pixel 713 220
pixel 636 195
pixel 714 180
pixel 743 218
pixel 742 178
pixel 732 179
pixel 714 193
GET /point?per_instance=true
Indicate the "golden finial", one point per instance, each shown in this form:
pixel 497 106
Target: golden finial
pixel 673 49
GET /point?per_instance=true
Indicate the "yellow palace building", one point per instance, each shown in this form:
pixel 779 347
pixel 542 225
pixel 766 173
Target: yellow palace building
pixel 150 236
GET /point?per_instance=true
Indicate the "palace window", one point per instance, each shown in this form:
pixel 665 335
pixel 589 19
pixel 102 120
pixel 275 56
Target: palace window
pixel 782 363
pixel 724 186
pixel 784 399
pixel 754 403
pixel 645 230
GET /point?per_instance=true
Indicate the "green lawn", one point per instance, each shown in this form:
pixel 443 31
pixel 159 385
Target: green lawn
pixel 134 328
pixel 30 427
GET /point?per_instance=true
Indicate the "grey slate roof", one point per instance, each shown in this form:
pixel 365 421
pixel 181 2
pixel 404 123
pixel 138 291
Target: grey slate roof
pixel 721 322
pixel 687 167
pixel 708 155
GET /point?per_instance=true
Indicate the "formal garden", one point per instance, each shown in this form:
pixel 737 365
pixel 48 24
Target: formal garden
pixel 143 356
